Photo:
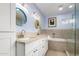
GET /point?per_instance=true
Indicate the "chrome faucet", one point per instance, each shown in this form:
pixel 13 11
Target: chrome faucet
pixel 21 34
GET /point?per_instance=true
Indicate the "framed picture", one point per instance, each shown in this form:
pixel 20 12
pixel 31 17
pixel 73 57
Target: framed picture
pixel 52 22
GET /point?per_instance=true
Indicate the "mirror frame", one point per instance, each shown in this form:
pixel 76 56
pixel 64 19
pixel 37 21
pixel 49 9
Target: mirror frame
pixel 24 16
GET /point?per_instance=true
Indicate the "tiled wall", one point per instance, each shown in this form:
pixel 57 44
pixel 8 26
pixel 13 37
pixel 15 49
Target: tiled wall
pixel 77 42
pixel 59 33
pixel 65 34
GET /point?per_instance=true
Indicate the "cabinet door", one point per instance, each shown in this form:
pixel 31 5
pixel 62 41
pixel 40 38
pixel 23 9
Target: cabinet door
pixel 36 53
pixel 37 48
pixel 40 50
pixel 4 16
pixel 20 49
pixel 5 44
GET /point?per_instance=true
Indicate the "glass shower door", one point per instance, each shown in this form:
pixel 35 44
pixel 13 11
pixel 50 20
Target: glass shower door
pixel 71 32
pixel 73 44
pixel 77 29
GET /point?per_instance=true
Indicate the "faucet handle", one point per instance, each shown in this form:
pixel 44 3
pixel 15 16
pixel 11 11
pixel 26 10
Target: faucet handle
pixel 53 33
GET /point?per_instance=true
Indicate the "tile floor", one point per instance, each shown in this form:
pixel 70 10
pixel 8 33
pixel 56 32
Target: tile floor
pixel 55 53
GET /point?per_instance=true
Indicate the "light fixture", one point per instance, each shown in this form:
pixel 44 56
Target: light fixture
pixel 60 8
pixel 25 5
pixel 70 6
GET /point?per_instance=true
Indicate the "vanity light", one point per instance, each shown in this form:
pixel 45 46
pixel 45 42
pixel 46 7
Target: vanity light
pixel 70 6
pixel 25 5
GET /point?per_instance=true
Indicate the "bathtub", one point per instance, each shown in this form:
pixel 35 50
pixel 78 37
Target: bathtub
pixel 58 39
pixel 60 44
pixel 70 47
pixel 57 44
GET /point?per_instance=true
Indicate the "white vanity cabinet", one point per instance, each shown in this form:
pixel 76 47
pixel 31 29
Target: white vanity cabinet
pixel 37 48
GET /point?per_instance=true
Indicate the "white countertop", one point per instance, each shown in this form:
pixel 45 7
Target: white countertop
pixel 30 39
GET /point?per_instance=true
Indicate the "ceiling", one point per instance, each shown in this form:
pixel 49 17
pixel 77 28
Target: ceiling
pixel 51 9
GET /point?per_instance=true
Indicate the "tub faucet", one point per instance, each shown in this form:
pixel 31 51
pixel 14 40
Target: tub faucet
pixel 53 35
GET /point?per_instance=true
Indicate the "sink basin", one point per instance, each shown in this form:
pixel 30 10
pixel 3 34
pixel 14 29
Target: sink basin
pixel 26 40
pixel 23 40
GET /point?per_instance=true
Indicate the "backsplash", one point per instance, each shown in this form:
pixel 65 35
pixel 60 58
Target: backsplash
pixel 26 34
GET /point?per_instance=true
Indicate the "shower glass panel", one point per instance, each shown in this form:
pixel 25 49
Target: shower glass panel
pixel 77 29
pixel 70 29
pixel 73 42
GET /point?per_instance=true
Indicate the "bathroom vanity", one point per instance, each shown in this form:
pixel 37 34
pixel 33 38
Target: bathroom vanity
pixel 34 46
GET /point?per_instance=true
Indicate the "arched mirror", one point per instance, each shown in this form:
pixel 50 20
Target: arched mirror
pixel 21 17
pixel 37 24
